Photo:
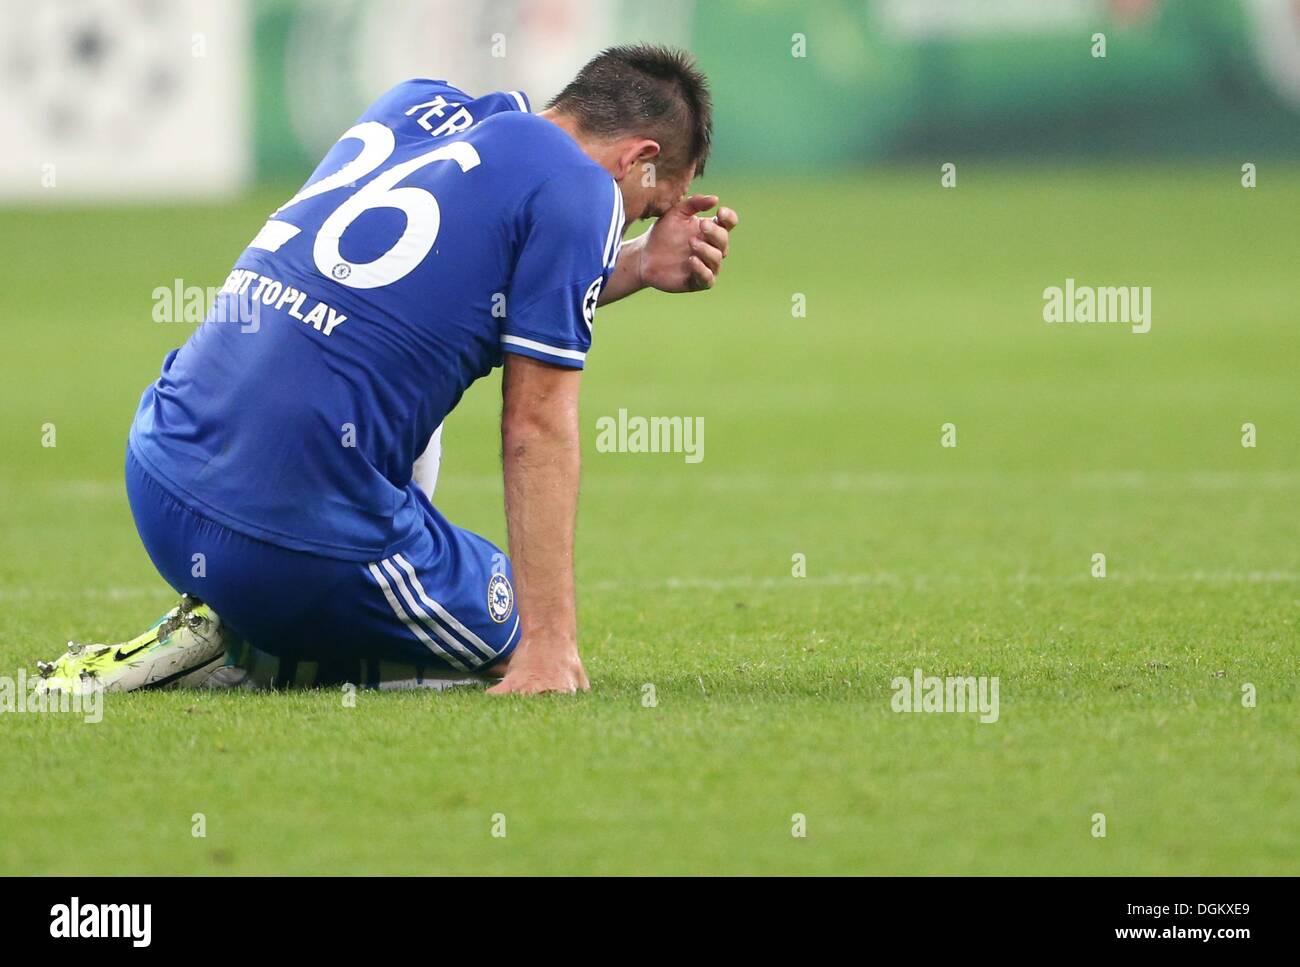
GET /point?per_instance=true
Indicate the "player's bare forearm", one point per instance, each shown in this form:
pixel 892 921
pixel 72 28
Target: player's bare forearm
pixel 626 277
pixel 682 252
pixel 540 454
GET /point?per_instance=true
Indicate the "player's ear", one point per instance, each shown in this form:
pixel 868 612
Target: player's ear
pixel 634 153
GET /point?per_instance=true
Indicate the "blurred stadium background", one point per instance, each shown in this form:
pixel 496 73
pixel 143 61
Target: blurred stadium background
pixel 105 86
pixel 145 141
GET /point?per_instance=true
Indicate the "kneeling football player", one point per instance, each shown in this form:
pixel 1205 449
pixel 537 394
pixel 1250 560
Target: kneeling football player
pixel 279 470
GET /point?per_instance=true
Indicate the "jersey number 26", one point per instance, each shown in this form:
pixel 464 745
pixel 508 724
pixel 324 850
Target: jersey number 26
pixel 423 217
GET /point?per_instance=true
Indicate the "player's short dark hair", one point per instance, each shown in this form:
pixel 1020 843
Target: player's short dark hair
pixel 644 89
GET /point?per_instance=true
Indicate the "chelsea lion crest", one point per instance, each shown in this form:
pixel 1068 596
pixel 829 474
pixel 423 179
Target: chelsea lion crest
pixel 500 598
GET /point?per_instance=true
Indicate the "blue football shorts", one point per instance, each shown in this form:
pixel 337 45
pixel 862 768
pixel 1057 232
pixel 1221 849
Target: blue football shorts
pixel 442 598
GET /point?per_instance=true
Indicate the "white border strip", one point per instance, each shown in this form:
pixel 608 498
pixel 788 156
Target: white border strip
pixel 410 622
pixel 541 347
pixel 424 617
pixel 442 612
pixel 615 224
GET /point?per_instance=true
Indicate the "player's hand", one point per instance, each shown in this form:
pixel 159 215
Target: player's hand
pixel 684 250
pixel 538 675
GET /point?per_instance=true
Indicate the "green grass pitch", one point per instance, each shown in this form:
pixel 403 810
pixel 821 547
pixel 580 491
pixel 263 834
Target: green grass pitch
pixel 1120 696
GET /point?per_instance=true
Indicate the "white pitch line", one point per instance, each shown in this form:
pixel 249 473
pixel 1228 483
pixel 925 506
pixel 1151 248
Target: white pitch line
pixel 832 480
pixel 888 482
pixel 921 581
pixel 95 594
pixel 770 583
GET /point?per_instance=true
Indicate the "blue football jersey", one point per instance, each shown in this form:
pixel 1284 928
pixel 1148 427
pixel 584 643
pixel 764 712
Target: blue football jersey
pixel 439 232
